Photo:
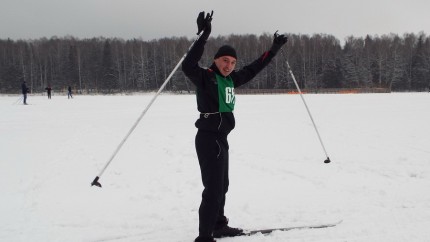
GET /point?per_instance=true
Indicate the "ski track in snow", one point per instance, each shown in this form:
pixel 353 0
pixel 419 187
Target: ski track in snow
pixel 377 182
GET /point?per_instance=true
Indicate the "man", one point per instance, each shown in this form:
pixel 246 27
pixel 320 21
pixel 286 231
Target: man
pixel 24 90
pixel 215 102
pixel 69 92
pixel 48 91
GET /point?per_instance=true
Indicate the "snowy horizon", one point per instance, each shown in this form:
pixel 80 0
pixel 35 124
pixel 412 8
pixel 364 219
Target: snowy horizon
pixel 377 182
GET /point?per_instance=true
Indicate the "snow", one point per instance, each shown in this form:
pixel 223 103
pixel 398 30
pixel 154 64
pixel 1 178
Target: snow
pixel 378 181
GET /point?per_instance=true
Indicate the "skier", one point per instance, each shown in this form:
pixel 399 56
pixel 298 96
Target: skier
pixel 215 102
pixel 69 93
pixel 24 90
pixel 48 91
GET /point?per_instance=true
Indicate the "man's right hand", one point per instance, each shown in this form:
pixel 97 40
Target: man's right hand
pixel 204 23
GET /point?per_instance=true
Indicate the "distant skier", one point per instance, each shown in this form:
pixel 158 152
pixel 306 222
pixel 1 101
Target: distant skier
pixel 69 93
pixel 24 90
pixel 215 102
pixel 48 91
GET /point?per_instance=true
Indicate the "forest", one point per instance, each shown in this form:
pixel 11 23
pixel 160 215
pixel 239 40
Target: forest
pixel 113 65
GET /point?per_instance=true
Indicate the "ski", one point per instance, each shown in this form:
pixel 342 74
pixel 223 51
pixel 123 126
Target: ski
pixel 268 231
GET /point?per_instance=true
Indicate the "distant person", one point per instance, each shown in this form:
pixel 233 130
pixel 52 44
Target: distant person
pixel 215 102
pixel 69 93
pixel 24 90
pixel 48 91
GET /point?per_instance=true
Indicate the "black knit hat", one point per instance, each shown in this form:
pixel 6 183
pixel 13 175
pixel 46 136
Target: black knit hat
pixel 226 50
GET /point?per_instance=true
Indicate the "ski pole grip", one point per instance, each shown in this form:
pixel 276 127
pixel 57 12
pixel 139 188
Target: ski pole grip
pixel 96 182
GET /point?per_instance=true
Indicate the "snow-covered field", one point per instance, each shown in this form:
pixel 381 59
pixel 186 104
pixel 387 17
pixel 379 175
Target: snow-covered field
pixel 378 182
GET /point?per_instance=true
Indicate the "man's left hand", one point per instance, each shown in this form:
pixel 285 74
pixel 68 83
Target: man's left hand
pixel 278 42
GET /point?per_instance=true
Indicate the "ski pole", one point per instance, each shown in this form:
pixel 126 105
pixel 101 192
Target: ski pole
pixel 309 112
pixel 19 99
pixel 96 180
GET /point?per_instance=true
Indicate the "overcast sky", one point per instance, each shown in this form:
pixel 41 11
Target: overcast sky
pixel 148 19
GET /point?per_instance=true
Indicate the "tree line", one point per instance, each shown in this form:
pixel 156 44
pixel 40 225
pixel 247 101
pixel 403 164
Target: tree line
pixel 110 65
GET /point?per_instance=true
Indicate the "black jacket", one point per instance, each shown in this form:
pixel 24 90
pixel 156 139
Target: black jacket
pixel 207 90
pixel 24 88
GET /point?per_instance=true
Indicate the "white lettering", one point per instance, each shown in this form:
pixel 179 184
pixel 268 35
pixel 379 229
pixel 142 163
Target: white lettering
pixel 229 95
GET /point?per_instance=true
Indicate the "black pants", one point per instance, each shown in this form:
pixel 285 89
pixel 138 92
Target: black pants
pixel 212 151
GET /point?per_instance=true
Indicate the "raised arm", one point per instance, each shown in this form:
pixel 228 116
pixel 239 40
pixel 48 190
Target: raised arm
pixel 248 72
pixel 190 66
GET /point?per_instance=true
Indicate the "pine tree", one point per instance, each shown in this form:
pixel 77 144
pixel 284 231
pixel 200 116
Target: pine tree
pixel 420 72
pixel 108 77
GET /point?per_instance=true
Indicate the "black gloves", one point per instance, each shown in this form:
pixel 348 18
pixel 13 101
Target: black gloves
pixel 204 24
pixel 278 42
